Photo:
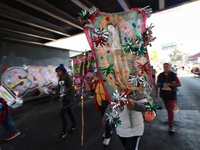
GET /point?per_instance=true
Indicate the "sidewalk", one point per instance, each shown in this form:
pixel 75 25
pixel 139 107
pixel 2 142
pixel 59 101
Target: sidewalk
pixel 40 128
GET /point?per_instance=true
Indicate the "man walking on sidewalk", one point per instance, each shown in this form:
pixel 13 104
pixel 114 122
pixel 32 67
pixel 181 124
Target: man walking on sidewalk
pixel 65 93
pixel 168 82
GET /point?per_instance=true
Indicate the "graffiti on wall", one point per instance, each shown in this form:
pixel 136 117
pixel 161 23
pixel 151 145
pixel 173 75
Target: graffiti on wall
pixel 30 80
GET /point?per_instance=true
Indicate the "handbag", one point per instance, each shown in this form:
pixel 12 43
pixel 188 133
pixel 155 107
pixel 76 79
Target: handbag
pixel 149 116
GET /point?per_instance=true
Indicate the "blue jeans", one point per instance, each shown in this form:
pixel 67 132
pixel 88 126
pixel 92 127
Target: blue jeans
pixel 9 126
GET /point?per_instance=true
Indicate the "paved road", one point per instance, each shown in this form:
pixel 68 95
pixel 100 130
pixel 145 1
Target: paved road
pixel 40 125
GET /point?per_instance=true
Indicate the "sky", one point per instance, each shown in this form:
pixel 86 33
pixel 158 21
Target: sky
pixel 180 24
pixel 177 25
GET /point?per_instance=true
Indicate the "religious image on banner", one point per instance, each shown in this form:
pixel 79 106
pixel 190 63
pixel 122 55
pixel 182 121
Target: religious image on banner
pixel 119 42
pixel 83 66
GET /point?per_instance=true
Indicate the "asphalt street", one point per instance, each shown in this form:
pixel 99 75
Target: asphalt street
pixel 40 125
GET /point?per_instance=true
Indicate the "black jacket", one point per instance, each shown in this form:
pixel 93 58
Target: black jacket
pixel 167 95
pixel 65 91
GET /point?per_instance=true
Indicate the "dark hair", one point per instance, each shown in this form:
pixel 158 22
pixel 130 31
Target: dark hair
pixel 166 64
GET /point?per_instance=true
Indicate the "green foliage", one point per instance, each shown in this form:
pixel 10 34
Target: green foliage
pixel 176 55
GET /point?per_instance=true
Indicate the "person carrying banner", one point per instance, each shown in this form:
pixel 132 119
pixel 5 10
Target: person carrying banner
pixel 101 103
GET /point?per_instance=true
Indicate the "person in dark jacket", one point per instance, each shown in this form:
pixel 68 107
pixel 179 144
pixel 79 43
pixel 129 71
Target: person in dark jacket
pixel 168 82
pixel 10 130
pixel 101 103
pixel 65 93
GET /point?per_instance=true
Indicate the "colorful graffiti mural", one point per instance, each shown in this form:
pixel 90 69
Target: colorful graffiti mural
pixel 30 80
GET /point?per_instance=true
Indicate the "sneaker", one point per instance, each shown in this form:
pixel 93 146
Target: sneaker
pixel 74 127
pixel 106 141
pixel 62 136
pixel 12 136
pixel 91 97
pixel 103 136
pixel 171 129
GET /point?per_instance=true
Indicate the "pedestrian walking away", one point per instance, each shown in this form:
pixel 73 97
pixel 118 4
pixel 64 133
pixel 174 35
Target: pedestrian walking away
pixel 65 93
pixel 10 130
pixel 167 84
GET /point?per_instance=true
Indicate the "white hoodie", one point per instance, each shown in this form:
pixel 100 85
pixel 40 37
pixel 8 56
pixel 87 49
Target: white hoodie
pixel 125 129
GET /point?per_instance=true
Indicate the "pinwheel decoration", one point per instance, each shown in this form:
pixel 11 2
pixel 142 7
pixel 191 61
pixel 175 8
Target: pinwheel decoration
pixel 143 67
pixel 102 37
pixel 83 16
pixel 119 101
pixel 87 16
pixel 140 51
pixel 129 46
pixel 113 118
pixel 148 37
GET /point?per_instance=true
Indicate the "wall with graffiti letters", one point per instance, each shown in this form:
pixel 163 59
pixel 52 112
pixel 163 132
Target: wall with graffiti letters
pixel 30 80
pixel 30 69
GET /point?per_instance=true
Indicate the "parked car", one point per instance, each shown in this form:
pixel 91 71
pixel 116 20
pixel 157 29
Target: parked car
pixel 196 68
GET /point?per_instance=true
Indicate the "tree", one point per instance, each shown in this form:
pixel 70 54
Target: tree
pixel 176 55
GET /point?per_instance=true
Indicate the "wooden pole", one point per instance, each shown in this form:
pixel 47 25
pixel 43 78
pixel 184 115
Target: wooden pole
pixel 82 117
pixel 82 99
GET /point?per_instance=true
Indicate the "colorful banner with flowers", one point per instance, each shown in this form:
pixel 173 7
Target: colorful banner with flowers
pixel 83 69
pixel 119 43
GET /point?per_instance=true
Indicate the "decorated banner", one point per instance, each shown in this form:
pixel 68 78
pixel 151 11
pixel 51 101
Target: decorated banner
pixel 83 66
pixel 7 95
pixel 119 43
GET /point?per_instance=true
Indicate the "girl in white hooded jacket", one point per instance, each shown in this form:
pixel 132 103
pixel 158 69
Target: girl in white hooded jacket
pixel 132 123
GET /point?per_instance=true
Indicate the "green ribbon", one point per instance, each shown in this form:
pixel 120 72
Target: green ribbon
pixel 140 51
pixel 108 70
pixel 129 46
pixel 117 122
pixel 130 118
pixel 153 107
pixel 83 15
